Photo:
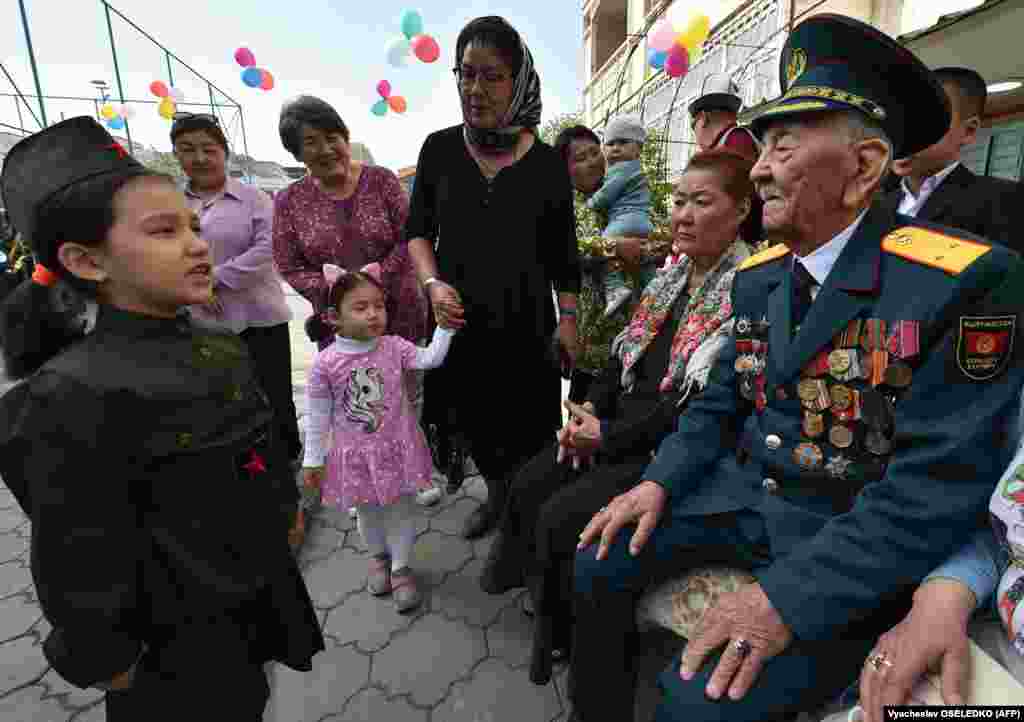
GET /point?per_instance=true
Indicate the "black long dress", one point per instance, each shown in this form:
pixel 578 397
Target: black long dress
pixel 550 504
pixel 505 245
pixel 125 451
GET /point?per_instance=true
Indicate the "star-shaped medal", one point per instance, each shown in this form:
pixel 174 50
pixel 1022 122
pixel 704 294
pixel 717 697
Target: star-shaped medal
pixel 838 467
pixel 255 465
pixel 119 149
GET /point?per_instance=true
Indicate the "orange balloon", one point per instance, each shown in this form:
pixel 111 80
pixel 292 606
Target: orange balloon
pixel 397 103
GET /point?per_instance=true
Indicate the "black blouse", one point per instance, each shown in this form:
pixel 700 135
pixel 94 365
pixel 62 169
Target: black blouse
pixel 503 244
pixel 129 451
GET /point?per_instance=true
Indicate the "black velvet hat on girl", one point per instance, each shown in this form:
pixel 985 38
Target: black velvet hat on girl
pixel 34 183
pixel 47 162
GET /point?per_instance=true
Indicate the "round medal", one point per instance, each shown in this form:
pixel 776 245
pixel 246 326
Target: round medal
pixel 838 362
pixel 898 375
pixel 877 444
pixel 814 425
pixel 842 397
pixel 743 325
pixel 808 456
pixel 744 364
pixel 807 390
pixel 840 436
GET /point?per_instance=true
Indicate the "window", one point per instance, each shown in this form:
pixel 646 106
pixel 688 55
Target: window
pixel 998 152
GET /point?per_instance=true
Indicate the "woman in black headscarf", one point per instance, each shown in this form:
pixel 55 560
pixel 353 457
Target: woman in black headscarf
pixel 504 201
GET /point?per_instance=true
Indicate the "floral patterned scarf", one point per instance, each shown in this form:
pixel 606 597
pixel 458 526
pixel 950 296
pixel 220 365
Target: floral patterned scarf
pixel 703 330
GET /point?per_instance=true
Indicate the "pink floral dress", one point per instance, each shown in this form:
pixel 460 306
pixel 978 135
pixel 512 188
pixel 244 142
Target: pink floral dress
pixel 361 422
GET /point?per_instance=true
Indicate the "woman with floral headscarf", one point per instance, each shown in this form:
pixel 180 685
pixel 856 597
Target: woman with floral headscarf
pixel 492 235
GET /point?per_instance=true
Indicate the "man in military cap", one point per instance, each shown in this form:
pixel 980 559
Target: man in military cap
pixel 848 436
pixel 713 118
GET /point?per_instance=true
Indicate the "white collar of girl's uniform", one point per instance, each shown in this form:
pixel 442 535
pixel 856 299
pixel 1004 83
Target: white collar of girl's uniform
pixel 353 346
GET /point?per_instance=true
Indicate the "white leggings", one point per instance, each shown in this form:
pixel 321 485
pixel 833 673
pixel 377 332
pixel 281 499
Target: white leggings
pixel 389 530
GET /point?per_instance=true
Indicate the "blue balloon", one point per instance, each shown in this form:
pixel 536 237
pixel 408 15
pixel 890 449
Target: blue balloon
pixel 412 23
pixel 115 123
pixel 380 108
pixel 656 58
pixel 252 77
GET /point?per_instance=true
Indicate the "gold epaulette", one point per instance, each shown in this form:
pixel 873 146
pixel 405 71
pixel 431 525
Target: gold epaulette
pixel 777 251
pixel 933 248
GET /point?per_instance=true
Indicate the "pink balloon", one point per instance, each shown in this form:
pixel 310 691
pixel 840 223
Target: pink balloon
pixel 662 36
pixel 159 89
pixel 384 89
pixel 677 62
pixel 426 48
pixel 245 58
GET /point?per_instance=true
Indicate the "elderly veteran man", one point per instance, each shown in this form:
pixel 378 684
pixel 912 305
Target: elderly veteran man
pixel 850 434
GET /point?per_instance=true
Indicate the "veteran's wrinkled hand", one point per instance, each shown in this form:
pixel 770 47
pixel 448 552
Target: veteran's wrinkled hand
pixel 751 629
pixel 642 505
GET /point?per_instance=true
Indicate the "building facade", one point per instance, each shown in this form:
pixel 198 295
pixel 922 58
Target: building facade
pixel 745 41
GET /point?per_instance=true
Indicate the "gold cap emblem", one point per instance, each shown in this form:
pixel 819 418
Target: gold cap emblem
pixel 796 66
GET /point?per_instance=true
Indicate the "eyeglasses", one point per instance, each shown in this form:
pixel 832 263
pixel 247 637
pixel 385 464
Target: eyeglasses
pixel 467 76
pixel 208 117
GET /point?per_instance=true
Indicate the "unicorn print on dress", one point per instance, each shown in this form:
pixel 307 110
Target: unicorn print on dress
pixel 363 399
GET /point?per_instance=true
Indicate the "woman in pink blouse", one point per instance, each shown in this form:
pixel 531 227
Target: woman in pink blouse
pixel 344 213
pixel 347 214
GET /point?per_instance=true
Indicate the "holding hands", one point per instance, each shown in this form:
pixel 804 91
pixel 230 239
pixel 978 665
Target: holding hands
pixel 447 304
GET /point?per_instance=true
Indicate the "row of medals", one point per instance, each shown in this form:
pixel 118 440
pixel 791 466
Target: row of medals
pixel 846 380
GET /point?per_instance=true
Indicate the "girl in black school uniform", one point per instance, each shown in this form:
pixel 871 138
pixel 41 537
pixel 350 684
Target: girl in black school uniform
pixel 142 451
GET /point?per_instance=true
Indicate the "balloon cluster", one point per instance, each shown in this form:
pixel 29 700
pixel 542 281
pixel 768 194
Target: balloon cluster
pixel 395 102
pixel 412 41
pixel 115 115
pixel 169 98
pixel 251 75
pixel 676 41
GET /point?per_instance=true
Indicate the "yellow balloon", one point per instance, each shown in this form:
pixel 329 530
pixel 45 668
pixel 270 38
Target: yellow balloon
pixel 167 108
pixel 107 111
pixel 693 32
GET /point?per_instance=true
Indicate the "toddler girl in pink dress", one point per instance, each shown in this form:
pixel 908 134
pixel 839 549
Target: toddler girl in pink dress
pixel 362 424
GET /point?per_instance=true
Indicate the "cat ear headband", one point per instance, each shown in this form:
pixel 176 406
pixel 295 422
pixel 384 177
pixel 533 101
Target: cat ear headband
pixel 333 273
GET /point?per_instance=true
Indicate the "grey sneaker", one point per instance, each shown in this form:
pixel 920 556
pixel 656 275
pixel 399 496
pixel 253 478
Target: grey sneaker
pixel 378 582
pixel 404 591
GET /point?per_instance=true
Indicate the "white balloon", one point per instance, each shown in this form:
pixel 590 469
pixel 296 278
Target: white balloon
pixel 678 14
pixel 399 52
pixel 178 94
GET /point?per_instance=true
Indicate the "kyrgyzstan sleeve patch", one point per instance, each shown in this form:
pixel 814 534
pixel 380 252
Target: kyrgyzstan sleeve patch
pixel 984 345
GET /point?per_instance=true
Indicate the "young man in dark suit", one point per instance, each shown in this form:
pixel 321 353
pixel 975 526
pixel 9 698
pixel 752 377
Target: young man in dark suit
pixel 936 187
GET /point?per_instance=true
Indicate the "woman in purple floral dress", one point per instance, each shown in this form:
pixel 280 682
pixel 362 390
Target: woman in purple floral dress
pixel 347 214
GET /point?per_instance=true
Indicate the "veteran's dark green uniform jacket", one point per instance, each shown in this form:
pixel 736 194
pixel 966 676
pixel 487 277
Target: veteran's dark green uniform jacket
pixel 851 525
pixel 157 496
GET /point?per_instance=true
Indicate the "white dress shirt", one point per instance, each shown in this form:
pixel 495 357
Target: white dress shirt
pixel 911 205
pixel 819 262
